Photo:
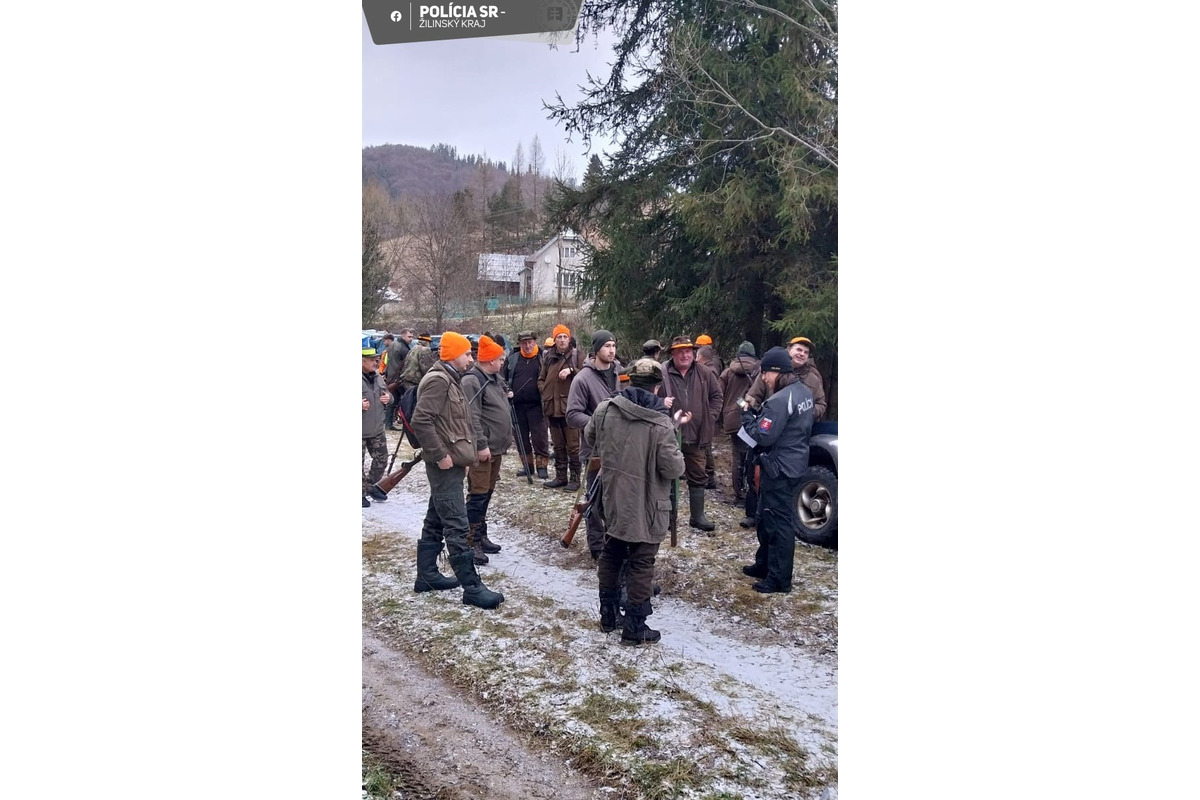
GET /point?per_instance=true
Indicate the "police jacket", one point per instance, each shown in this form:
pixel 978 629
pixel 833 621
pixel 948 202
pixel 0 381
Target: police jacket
pixel 781 431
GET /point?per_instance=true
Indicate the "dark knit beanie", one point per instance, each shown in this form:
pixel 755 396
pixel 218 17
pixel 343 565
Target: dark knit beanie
pixel 776 360
pixel 745 349
pixel 599 338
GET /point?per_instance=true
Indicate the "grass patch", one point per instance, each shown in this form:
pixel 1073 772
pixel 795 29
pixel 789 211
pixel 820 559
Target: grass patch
pixel 666 779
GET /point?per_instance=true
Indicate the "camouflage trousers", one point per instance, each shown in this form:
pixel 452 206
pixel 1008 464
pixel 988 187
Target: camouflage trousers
pixel 377 447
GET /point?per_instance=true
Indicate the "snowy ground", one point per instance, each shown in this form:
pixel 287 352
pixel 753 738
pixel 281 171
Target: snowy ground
pixel 713 710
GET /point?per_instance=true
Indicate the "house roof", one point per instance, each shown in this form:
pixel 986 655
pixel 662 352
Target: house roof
pixel 500 267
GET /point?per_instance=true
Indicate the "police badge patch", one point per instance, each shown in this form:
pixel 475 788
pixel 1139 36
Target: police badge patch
pixel 764 426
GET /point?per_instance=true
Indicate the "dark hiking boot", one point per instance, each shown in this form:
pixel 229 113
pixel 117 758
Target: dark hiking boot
pixel 486 544
pixel 560 480
pixel 377 493
pixel 479 557
pixel 541 473
pixel 698 520
pixel 474 592
pixel 748 522
pixel 635 630
pixel 366 502
pixel 573 483
pixel 526 470
pixel 429 577
pixel 754 571
pixel 610 612
pixel 768 586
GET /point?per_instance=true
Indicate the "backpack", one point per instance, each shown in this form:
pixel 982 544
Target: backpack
pixel 406 407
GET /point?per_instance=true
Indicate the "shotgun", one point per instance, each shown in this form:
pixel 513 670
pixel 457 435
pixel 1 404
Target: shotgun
pixel 582 507
pixel 389 481
pixel 396 451
pixel 526 463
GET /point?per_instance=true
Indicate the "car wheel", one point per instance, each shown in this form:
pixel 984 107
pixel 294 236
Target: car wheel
pixel 816 505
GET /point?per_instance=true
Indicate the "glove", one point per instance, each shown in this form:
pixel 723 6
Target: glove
pixel 748 419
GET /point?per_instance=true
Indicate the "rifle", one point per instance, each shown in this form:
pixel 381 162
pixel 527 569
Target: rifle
pixel 582 507
pixel 389 481
pixel 396 451
pixel 520 444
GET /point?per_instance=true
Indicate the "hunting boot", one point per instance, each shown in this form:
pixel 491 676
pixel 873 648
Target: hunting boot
pixel 429 577
pixel 635 630
pixel 474 592
pixel 573 483
pixel 525 470
pixel 477 554
pixel 610 612
pixel 486 544
pixel 696 501
pixel 560 479
pixel 366 502
pixel 542 462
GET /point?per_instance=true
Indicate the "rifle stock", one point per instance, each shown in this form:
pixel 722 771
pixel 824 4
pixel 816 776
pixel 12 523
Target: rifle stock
pixel 389 481
pixel 581 507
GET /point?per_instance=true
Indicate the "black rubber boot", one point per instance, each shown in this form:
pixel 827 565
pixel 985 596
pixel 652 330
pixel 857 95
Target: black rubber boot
pixel 474 592
pixel 541 467
pixel 477 554
pixel 696 500
pixel 754 571
pixel 429 577
pixel 635 630
pixel 610 612
pixel 366 502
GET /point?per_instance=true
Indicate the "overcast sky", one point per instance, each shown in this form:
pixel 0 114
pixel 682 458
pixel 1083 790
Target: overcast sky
pixel 475 94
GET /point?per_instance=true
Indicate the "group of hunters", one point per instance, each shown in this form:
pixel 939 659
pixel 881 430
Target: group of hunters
pixel 637 428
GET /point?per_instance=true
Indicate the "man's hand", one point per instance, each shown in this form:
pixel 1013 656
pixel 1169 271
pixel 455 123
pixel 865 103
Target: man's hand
pixel 446 462
pixel 683 417
pixel 484 455
pixel 669 402
pixel 563 373
pixel 366 404
pixel 385 398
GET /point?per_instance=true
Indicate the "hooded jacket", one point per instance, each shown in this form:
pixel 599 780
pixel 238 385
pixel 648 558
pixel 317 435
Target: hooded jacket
pixel 553 388
pixel 588 390
pixel 735 382
pixel 487 397
pixel 639 459
pixel 442 420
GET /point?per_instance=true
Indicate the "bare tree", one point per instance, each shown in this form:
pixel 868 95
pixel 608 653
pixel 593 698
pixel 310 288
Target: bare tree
pixel 564 170
pixel 434 257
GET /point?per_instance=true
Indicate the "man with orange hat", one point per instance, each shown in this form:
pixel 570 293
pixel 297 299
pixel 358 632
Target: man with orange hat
pixel 442 423
pixel 487 397
pixel 697 391
pixel 560 365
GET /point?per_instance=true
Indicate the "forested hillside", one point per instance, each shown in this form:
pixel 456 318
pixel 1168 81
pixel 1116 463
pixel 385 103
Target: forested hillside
pixel 408 171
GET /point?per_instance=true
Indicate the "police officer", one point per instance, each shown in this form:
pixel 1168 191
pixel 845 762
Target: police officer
pixel 780 432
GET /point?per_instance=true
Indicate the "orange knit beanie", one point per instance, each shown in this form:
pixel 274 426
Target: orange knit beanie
pixel 454 345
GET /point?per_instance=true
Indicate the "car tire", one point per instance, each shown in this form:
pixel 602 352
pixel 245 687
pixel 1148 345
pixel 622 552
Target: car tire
pixel 817 506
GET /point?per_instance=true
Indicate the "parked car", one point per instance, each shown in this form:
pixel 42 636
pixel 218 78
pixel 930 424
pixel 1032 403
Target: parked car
pixel 817 501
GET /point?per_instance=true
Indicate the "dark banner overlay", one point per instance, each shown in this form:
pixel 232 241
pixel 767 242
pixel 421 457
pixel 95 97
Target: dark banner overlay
pixel 402 21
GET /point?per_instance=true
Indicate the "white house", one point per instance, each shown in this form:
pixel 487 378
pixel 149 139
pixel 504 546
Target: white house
pixel 559 261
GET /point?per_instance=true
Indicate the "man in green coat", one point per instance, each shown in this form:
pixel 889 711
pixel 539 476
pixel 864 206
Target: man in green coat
pixel 639 458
